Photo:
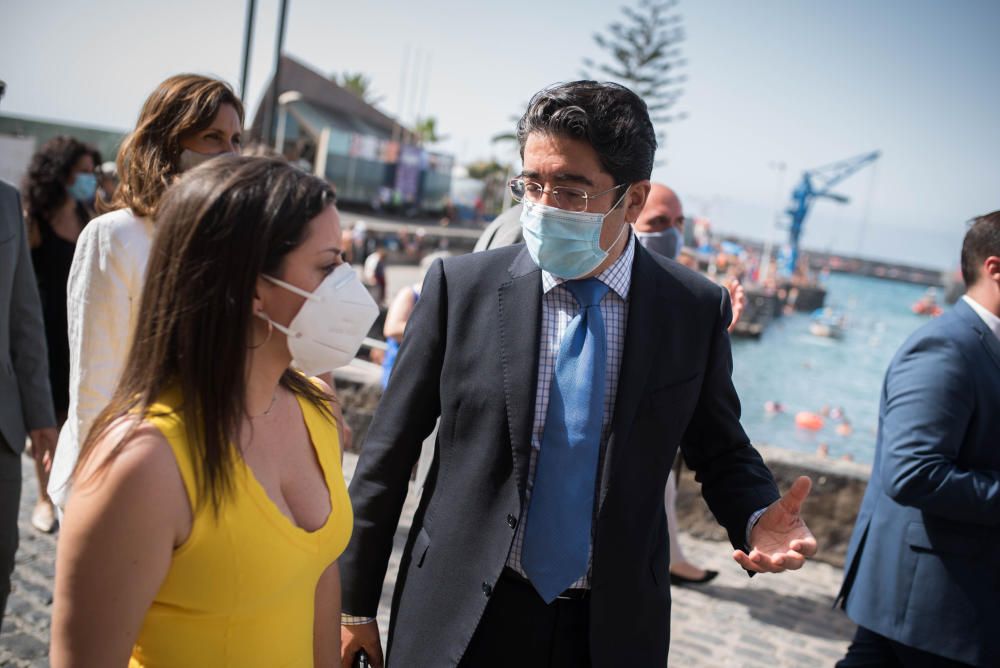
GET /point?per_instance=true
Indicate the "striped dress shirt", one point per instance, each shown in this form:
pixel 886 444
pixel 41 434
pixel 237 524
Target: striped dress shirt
pixel 559 307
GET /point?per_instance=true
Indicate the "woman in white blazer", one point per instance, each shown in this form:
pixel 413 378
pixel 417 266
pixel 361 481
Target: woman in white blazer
pixel 187 120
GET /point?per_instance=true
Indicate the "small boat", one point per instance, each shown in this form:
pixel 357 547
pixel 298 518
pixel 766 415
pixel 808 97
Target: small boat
pixel 827 323
pixel 927 305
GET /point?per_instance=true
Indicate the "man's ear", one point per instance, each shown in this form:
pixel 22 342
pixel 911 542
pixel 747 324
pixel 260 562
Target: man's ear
pixel 636 199
pixel 991 267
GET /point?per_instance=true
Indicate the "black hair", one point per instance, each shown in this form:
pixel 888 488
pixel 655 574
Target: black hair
pixel 981 241
pixel 608 116
pixel 45 184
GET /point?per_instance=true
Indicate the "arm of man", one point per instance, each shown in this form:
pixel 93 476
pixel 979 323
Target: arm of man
pixel 27 334
pixel 406 415
pixel 115 547
pixel 928 405
pixel 735 482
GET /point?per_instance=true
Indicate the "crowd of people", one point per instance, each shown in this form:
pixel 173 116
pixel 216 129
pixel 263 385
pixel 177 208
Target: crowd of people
pixel 168 360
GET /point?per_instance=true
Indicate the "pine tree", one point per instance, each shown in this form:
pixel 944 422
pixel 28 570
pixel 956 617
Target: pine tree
pixel 644 55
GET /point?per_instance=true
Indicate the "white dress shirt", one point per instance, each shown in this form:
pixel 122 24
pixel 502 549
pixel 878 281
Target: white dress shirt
pixel 105 284
pixel 991 320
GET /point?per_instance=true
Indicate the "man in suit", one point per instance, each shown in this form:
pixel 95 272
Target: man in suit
pixel 566 372
pixel 25 399
pixel 923 566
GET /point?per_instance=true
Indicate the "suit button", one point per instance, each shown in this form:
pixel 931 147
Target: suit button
pixel 487 589
pixel 511 521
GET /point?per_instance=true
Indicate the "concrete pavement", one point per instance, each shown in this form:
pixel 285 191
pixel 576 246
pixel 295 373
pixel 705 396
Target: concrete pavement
pixel 766 621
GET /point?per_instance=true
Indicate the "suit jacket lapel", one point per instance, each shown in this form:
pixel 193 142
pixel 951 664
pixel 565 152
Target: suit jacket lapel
pixel 987 337
pixel 643 330
pixel 520 305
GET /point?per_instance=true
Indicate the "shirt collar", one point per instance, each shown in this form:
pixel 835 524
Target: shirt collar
pixel 618 276
pixel 991 320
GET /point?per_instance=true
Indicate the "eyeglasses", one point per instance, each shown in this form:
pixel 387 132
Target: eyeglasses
pixel 567 199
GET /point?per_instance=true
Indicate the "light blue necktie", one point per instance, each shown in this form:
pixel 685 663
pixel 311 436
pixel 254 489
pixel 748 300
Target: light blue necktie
pixel 560 515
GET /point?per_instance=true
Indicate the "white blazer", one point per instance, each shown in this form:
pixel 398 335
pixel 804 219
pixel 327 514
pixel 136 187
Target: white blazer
pixel 105 284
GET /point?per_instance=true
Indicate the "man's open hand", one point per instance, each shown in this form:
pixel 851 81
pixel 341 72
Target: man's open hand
pixel 780 540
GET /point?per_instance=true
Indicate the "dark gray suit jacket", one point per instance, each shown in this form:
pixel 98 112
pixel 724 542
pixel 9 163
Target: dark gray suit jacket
pixel 470 355
pixel 923 566
pixel 25 398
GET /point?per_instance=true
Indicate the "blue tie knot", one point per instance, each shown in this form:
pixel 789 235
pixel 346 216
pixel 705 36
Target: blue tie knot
pixel 588 292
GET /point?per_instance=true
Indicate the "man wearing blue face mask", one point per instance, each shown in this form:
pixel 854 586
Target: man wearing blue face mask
pixel 566 372
pixel 660 225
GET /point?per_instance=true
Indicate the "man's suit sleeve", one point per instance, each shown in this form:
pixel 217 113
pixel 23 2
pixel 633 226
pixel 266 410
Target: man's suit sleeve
pixel 404 418
pixel 735 482
pixel 27 333
pixel 928 404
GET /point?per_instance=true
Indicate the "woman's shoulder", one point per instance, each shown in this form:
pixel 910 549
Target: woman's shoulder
pixel 129 448
pixel 117 239
pixel 131 471
pixel 119 225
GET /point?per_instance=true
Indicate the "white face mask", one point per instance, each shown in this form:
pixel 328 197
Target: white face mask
pixel 190 159
pixel 328 330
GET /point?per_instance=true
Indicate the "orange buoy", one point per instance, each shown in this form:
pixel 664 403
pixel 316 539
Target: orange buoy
pixel 807 420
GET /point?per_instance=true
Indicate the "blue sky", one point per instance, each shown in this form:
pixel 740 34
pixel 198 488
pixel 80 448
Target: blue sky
pixel 803 83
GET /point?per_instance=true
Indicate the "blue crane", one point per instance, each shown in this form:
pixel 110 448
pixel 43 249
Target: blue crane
pixel 817 183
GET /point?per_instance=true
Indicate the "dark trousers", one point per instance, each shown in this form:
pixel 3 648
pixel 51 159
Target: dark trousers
pixel 871 650
pixel 10 504
pixel 520 629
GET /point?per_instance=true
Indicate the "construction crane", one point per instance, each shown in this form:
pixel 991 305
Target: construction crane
pixel 817 183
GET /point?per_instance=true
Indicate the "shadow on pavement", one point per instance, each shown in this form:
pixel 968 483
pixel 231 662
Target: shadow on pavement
pixel 815 617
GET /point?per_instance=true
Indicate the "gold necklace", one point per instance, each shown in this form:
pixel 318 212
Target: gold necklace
pixel 273 400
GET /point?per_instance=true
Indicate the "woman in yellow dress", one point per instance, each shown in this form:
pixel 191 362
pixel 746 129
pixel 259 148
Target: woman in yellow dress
pixel 209 505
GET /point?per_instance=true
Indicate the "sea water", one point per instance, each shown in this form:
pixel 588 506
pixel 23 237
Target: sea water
pixel 804 372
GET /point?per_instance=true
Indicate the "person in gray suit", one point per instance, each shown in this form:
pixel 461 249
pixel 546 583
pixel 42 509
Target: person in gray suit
pixel 26 404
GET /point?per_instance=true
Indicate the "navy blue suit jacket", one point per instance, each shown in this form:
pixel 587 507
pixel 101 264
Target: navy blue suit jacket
pixel 923 565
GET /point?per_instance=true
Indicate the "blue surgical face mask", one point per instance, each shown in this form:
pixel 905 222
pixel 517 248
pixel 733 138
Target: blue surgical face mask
pixel 566 244
pixel 666 242
pixel 83 188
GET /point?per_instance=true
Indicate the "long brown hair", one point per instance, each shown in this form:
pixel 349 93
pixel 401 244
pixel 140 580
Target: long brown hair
pixel 220 226
pixel 148 158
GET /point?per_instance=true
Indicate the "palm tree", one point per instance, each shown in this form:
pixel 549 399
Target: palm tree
pixel 360 84
pixel 426 130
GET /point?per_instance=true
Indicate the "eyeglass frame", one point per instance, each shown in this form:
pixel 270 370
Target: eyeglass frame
pixel 555 193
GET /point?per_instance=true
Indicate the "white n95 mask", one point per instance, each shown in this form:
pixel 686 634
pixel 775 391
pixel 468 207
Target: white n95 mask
pixel 328 330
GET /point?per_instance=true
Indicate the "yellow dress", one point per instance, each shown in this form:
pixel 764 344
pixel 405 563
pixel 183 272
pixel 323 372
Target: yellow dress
pixel 241 590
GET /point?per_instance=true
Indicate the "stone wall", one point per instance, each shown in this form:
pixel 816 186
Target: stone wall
pixel 830 510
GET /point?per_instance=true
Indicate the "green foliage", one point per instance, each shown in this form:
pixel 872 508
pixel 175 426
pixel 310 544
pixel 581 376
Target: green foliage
pixel 426 130
pixel 360 84
pixel 643 53
pixel 484 169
